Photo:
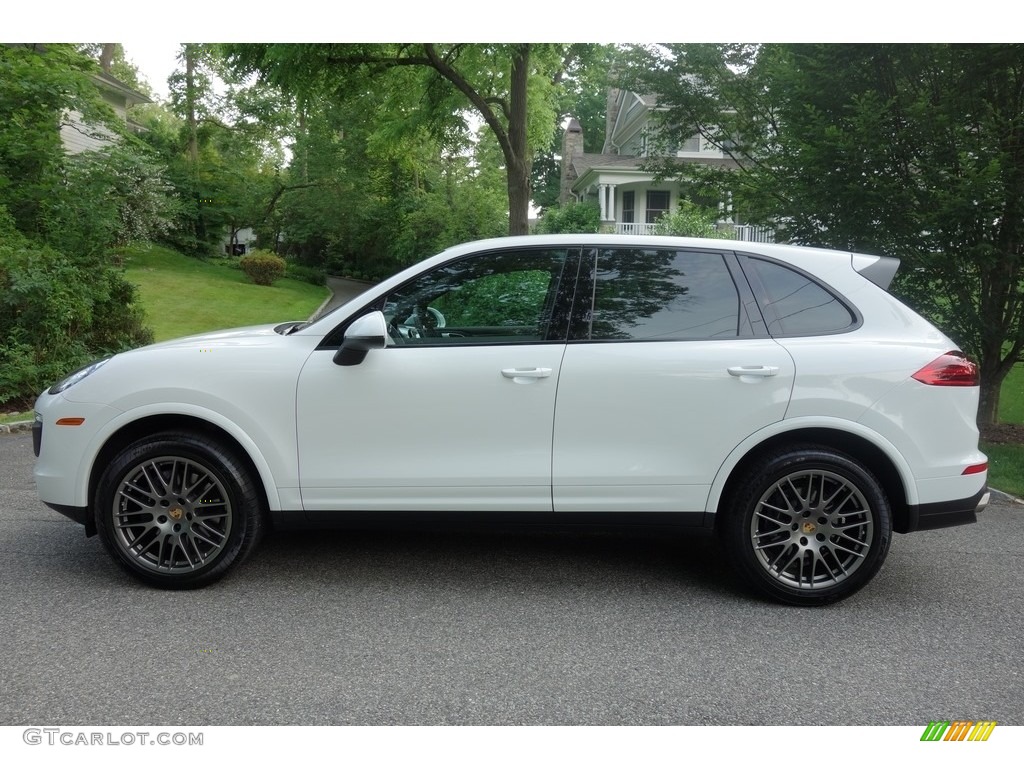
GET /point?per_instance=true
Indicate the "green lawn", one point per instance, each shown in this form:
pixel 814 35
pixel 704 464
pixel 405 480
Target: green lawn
pixel 182 295
pixel 1011 397
pixel 11 418
pixel 1005 467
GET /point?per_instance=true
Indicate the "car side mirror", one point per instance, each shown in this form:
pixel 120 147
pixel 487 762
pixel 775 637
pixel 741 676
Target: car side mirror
pixel 366 333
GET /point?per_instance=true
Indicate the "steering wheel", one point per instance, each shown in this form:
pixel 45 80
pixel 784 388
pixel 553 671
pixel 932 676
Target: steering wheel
pixel 425 321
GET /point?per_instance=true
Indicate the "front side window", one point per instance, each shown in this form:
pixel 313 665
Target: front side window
pixel 493 298
pixel 662 295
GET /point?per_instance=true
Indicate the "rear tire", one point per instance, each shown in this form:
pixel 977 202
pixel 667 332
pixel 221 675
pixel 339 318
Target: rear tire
pixel 809 526
pixel 178 510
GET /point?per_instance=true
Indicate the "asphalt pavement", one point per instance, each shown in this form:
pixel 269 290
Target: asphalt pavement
pixel 501 628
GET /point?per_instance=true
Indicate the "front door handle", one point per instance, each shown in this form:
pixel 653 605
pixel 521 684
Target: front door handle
pixel 525 373
pixel 762 371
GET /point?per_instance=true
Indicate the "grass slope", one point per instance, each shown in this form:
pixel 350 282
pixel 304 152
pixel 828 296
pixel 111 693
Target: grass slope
pixel 182 295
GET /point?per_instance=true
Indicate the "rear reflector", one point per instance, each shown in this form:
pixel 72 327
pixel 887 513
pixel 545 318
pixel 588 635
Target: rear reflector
pixel 952 369
pixel 976 469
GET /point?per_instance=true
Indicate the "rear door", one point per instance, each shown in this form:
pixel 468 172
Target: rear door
pixel 664 374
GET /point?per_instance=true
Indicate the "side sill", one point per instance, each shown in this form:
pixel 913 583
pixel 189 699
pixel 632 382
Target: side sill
pixel 79 514
pixel 945 514
pixel 298 520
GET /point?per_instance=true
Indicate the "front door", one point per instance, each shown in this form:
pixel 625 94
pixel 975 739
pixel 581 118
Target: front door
pixel 456 414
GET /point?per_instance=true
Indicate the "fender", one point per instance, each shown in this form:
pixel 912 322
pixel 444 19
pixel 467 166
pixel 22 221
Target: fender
pixel 799 423
pixel 125 418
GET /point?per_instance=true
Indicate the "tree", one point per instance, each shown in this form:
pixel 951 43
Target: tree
pixel 915 151
pixel 583 94
pixel 510 87
pixel 61 300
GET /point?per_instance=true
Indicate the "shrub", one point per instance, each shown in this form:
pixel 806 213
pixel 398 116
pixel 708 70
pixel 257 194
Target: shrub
pixel 312 275
pixel 57 315
pixel 690 220
pixel 573 218
pixel 263 267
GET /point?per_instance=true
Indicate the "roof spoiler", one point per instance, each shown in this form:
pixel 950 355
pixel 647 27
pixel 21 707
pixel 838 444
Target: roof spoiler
pixel 880 270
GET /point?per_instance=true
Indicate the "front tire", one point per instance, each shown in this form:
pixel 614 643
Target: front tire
pixel 178 511
pixel 809 526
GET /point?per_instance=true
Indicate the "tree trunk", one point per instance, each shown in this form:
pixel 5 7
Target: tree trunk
pixel 519 161
pixel 107 56
pixel 993 372
pixel 190 104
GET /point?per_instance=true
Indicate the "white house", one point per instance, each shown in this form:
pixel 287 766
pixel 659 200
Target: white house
pixel 79 136
pixel 629 198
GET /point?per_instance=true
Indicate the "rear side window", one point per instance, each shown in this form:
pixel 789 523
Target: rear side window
pixel 655 295
pixel 794 305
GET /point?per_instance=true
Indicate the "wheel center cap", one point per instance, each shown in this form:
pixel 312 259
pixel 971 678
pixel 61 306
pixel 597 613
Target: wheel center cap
pixel 176 513
pixel 809 527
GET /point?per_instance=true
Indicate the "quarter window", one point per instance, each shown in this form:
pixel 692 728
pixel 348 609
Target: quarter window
pixel 794 305
pixel 656 295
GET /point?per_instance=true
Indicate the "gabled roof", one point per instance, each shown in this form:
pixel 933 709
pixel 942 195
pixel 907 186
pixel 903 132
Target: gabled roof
pixel 110 83
pixel 585 162
pixel 592 164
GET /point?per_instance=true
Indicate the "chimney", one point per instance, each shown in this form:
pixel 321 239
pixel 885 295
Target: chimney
pixel 572 146
pixel 611 115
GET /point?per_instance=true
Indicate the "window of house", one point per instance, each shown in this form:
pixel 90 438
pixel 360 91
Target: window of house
pixel 657 204
pixel 692 144
pixel 648 295
pixel 628 207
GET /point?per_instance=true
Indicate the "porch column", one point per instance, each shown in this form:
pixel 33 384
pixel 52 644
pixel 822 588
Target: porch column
pixel 611 202
pixel 602 200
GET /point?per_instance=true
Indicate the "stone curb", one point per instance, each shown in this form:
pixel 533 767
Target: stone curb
pixel 17 426
pixel 320 309
pixel 1005 497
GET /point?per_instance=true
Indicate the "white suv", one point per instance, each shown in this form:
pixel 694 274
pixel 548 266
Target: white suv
pixel 776 395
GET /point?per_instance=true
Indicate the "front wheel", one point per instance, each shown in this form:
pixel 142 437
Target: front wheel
pixel 809 526
pixel 178 510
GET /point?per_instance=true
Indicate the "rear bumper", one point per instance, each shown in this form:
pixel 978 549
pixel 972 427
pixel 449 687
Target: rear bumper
pixel 945 514
pixel 79 514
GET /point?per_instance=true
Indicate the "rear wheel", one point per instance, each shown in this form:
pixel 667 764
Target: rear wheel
pixel 178 511
pixel 810 526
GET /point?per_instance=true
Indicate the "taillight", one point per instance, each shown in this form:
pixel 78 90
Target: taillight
pixel 952 369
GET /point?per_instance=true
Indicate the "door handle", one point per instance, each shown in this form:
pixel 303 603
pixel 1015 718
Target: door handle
pixel 762 371
pixel 525 373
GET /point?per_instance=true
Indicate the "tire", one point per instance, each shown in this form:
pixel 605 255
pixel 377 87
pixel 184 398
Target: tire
pixel 809 526
pixel 178 510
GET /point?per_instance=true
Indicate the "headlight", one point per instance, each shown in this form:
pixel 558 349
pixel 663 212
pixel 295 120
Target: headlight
pixel 77 376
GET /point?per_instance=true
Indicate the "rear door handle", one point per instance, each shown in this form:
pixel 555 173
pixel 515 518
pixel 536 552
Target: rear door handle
pixel 754 370
pixel 525 373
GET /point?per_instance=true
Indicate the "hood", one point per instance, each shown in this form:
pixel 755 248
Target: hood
pixel 253 335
